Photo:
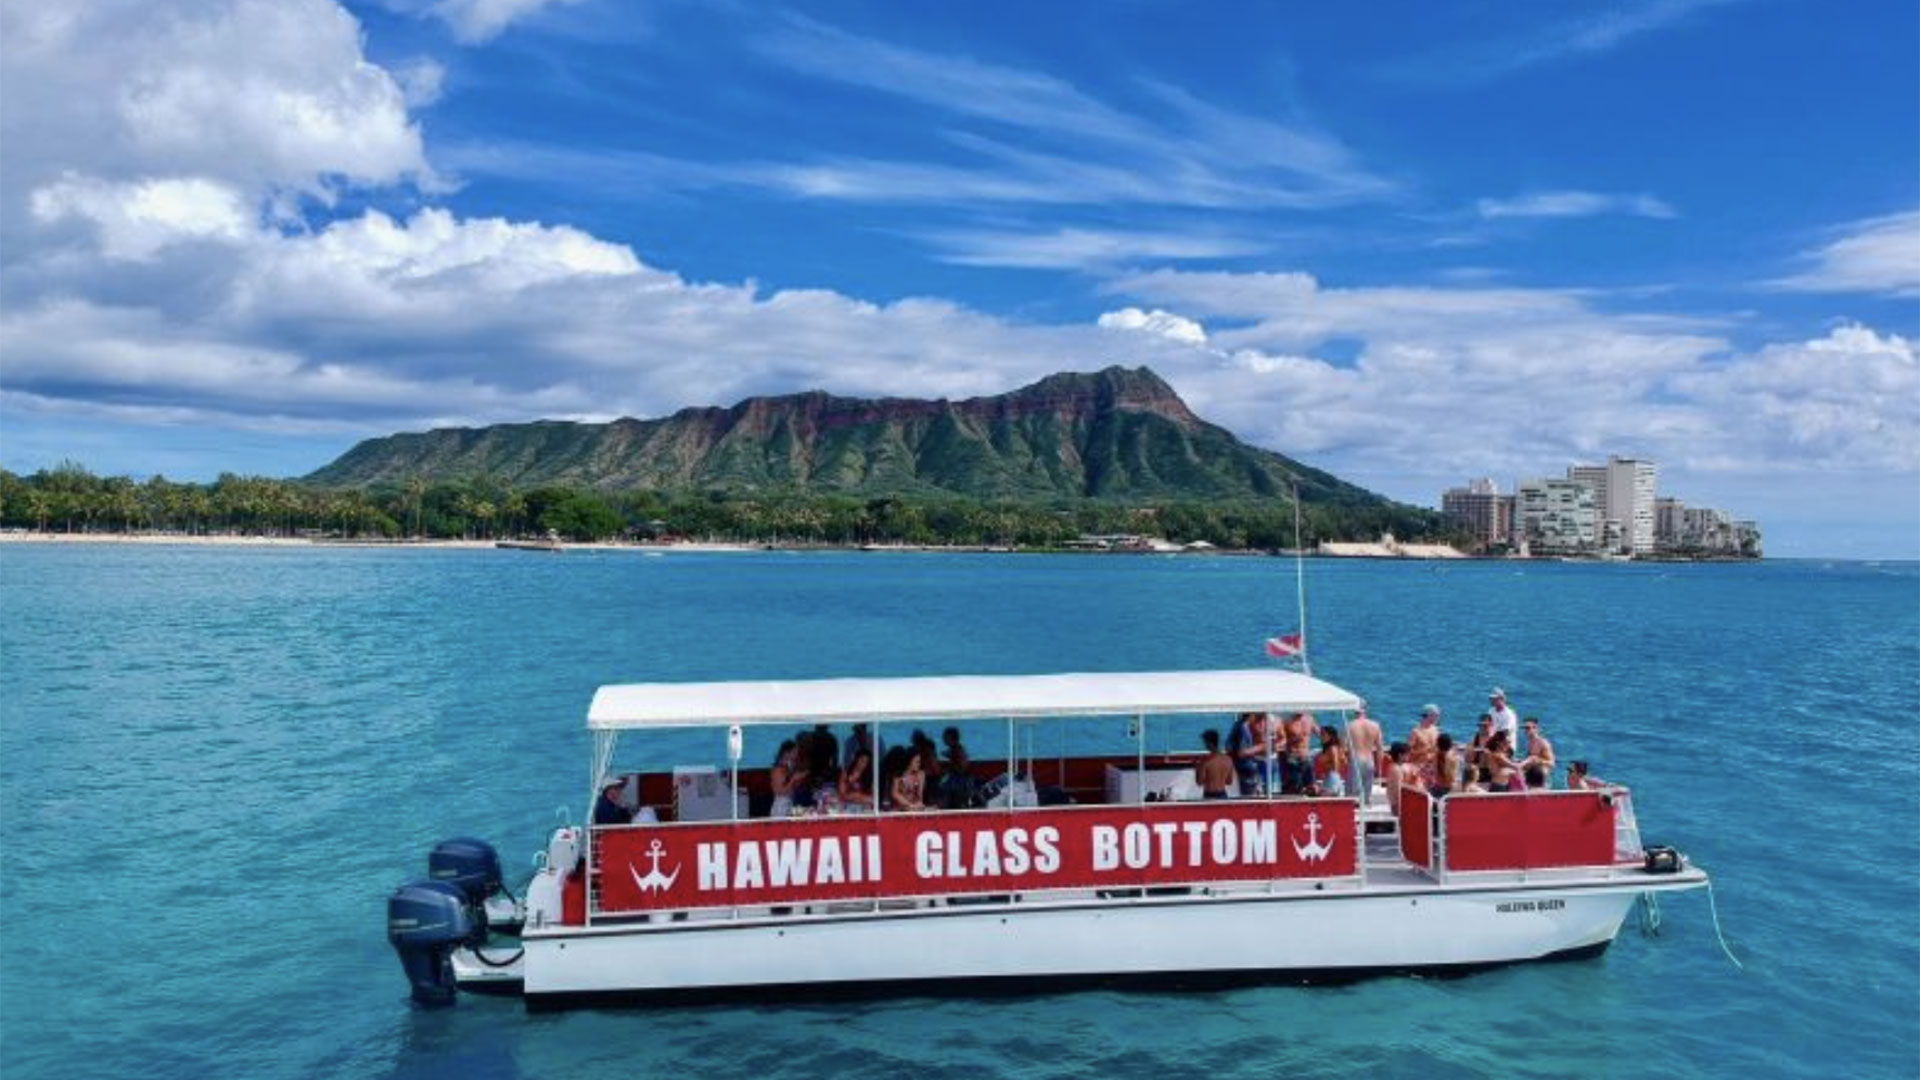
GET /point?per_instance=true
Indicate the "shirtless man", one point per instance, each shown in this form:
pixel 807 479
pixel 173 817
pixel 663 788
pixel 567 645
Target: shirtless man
pixel 1421 744
pixel 1365 741
pixel 1538 768
pixel 1215 773
pixel 1297 771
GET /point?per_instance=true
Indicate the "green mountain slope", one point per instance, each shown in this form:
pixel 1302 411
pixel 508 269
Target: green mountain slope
pixel 1115 434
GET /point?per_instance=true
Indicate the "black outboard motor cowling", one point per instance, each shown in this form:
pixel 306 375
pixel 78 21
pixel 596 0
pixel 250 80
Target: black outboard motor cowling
pixel 426 921
pixel 470 865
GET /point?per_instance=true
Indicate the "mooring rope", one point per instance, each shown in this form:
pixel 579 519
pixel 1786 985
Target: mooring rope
pixel 1715 910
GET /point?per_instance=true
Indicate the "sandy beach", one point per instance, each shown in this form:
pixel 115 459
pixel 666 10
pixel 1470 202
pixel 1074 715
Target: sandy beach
pixel 161 539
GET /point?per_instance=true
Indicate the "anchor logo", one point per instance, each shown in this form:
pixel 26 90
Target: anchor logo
pixel 1313 850
pixel 654 881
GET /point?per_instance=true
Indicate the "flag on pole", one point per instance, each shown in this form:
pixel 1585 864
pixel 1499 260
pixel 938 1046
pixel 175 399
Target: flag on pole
pixel 1281 648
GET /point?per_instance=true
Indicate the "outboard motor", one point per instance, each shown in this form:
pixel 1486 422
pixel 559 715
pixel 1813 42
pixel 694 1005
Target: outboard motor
pixel 426 921
pixel 470 865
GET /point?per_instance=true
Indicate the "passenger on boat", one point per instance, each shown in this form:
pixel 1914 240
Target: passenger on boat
pixel 1447 769
pixel 929 755
pixel 957 786
pixel 1330 764
pixel 823 755
pixel 861 739
pixel 1578 779
pixel 1503 716
pixel 1420 744
pixel 608 808
pixel 1248 745
pixel 909 788
pixel 1366 743
pixel 854 780
pixel 804 782
pixel 1216 772
pixel 1538 767
pixel 1476 752
pixel 1296 768
pixel 1502 773
pixel 780 779
pixel 1401 773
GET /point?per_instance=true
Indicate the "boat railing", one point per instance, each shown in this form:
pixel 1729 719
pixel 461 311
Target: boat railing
pixel 1471 833
pixel 872 861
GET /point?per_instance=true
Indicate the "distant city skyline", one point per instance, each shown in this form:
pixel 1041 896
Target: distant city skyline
pixel 1405 243
pixel 1614 508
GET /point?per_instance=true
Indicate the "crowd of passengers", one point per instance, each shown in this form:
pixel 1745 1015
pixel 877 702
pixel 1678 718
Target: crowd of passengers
pixel 1295 755
pixel 815 772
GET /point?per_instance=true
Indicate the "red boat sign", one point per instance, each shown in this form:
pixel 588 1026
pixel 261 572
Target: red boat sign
pixel 673 867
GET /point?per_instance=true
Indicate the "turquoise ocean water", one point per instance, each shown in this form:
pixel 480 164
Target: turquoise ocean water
pixel 216 763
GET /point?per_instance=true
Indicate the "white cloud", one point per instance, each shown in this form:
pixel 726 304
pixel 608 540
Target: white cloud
pixel 421 80
pixel 1560 204
pixel 136 219
pixel 1507 381
pixel 1852 396
pixel 1080 249
pixel 1582 35
pixel 476 21
pixel 268 97
pixel 1165 324
pixel 1036 138
pixel 148 278
pixel 1879 255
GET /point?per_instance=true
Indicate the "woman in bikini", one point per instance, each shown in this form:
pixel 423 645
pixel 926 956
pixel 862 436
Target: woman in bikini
pixel 783 779
pixel 853 782
pixel 1502 773
pixel 909 788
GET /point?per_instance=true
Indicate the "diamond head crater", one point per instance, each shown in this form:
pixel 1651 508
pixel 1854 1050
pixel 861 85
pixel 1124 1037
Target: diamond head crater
pixel 1073 460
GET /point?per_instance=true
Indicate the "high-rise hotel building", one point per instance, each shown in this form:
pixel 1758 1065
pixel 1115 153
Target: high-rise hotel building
pixel 1482 511
pixel 1624 495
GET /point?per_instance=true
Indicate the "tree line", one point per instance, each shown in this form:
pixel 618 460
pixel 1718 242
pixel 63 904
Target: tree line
pixel 69 498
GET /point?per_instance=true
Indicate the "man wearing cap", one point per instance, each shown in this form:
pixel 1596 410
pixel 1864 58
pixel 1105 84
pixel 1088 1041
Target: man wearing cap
pixel 1504 718
pixel 607 809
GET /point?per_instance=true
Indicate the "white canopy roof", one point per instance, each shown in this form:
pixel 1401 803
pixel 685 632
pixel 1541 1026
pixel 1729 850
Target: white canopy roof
pixel 959 697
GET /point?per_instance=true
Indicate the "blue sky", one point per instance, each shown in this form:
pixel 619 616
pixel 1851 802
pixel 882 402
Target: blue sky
pixel 1410 243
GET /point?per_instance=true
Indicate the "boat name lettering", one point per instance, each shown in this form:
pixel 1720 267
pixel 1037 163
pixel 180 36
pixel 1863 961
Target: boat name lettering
pixel 995 852
pixel 1513 906
pixel 847 858
pixel 791 862
pixel 1170 844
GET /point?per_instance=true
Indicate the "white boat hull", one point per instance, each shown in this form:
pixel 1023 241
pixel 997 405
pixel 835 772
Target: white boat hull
pixel 1171 942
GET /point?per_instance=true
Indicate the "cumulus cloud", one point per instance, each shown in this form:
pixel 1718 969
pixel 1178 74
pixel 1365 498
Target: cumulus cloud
pixel 1165 324
pixel 136 219
pixel 1505 381
pixel 1567 204
pixel 251 92
pixel 1879 255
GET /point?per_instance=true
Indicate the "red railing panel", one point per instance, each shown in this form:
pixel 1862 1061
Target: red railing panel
pixel 1416 827
pixel 804 860
pixel 1533 831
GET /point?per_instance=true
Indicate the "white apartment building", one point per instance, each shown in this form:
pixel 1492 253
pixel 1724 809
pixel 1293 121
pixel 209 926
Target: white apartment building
pixel 1624 492
pixel 1557 517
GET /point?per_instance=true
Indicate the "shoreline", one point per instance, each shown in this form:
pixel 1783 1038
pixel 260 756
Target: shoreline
pixel 1355 552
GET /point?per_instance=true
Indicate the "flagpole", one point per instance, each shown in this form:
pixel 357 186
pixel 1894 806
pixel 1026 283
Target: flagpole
pixel 1300 576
